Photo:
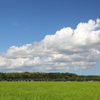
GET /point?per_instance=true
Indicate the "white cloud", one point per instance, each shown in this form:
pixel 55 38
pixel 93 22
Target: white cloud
pixel 67 47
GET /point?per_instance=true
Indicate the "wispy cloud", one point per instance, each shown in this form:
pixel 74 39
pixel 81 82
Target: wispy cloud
pixel 16 24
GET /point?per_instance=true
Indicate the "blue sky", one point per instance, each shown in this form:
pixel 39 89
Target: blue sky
pixel 24 22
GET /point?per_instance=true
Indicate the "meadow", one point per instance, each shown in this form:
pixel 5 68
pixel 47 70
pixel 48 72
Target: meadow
pixel 49 90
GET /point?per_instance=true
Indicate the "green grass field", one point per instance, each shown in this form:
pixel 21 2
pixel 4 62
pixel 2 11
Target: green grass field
pixel 49 90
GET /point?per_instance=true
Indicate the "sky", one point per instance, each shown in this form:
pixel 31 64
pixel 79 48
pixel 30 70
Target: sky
pixel 50 36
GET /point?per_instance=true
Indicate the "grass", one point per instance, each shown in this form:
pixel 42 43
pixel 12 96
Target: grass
pixel 49 91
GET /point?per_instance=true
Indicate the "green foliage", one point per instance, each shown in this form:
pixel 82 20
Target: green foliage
pixel 36 76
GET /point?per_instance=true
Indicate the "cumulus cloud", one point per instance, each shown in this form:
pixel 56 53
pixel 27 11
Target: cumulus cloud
pixel 67 49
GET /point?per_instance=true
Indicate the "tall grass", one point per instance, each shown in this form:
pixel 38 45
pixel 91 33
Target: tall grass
pixel 49 91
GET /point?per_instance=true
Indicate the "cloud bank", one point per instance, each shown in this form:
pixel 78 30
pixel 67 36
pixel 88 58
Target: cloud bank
pixel 67 49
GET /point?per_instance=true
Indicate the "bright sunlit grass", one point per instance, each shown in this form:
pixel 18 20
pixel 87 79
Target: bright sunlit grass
pixel 49 91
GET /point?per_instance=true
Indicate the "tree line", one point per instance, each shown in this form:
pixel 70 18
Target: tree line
pixel 38 76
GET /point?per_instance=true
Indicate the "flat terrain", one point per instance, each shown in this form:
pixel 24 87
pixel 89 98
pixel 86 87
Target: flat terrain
pixel 49 90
